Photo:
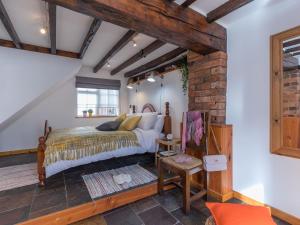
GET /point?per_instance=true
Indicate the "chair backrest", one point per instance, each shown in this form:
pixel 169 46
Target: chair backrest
pixel 206 134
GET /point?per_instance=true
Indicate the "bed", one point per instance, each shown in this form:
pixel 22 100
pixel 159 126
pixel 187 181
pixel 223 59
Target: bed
pixel 56 147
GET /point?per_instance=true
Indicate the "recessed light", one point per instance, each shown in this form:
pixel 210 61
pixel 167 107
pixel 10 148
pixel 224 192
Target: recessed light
pixel 43 31
pixel 108 65
pixel 134 44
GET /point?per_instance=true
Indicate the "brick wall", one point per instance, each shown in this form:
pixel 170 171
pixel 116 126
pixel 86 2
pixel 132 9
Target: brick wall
pixel 207 84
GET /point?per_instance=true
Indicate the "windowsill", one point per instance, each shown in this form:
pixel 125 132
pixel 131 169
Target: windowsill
pixel 93 117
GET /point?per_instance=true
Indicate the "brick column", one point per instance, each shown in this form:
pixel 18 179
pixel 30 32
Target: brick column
pixel 207 84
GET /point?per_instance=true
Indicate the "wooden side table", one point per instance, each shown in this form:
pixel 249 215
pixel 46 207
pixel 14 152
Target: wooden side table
pixel 170 144
pixel 185 171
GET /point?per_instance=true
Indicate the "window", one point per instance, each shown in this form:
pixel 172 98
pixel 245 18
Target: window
pixel 103 102
pixel 285 95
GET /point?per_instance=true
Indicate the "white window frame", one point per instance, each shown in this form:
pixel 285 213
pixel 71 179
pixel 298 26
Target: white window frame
pixel 98 106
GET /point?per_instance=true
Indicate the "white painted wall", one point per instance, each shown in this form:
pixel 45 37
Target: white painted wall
pixel 59 108
pixel 258 174
pixel 157 96
pixel 25 75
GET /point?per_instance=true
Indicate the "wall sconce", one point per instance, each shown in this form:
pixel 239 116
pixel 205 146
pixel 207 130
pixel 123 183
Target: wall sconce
pixel 129 86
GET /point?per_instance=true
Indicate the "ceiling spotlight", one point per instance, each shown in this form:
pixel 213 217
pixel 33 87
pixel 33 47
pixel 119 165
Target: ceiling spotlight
pixel 108 65
pixel 43 30
pixel 129 86
pixel 151 78
pixel 134 44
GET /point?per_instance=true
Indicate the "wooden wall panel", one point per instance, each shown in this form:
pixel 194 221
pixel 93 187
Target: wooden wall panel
pixel 220 183
pixel 291 131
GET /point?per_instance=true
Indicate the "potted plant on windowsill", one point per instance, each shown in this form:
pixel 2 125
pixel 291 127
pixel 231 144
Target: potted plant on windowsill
pixel 90 111
pixel 84 113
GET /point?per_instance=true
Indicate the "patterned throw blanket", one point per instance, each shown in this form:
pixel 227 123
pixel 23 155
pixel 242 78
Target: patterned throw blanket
pixel 79 142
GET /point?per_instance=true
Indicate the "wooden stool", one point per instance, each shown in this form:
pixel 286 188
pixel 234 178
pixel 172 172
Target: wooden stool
pixel 185 171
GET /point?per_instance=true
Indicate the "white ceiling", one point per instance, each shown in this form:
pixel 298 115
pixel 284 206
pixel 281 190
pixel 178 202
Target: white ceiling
pixel 30 15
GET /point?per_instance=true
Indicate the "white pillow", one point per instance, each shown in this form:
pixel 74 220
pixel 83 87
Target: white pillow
pixel 147 122
pixel 159 124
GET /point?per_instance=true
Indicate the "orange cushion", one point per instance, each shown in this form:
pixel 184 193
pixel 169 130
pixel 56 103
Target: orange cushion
pixel 237 214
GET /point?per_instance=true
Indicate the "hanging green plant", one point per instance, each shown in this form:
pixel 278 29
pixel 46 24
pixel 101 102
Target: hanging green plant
pixel 184 74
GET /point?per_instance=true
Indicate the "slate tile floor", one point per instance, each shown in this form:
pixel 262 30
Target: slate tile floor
pixel 67 189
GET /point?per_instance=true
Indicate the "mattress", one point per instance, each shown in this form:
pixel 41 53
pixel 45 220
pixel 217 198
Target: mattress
pixel 146 139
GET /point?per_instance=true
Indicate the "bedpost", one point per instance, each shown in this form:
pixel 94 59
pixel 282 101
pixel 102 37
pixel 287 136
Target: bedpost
pixel 133 109
pixel 40 160
pixel 167 120
pixel 167 109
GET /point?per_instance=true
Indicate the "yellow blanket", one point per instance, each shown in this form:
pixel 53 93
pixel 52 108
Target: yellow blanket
pixel 79 142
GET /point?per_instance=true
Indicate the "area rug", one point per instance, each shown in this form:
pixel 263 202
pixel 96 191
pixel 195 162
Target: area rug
pixel 18 176
pixel 101 183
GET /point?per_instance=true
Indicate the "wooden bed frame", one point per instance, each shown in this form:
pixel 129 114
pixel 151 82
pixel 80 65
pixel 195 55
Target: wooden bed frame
pixel 47 130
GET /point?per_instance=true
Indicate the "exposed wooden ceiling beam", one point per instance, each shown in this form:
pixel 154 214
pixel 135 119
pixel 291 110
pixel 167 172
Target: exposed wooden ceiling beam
pixel 9 26
pixel 163 20
pixel 161 70
pixel 52 26
pixel 141 54
pixel 225 9
pixel 291 43
pixel 89 36
pixel 187 3
pixel 115 49
pixel 34 48
pixel 156 62
pixel 295 49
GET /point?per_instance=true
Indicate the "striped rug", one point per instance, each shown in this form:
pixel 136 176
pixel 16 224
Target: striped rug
pixel 102 183
pixel 18 176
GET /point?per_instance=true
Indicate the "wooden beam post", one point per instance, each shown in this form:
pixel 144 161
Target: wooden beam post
pixel 52 27
pixel 225 9
pixel 9 26
pixel 89 37
pixel 117 47
pixel 156 62
pixel 141 54
pixel 163 20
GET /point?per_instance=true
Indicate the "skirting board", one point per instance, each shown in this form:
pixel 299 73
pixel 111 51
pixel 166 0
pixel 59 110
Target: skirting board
pixel 220 197
pixel 275 212
pixel 17 152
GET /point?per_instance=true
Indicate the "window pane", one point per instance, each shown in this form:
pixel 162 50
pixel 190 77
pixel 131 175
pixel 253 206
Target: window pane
pixel 102 102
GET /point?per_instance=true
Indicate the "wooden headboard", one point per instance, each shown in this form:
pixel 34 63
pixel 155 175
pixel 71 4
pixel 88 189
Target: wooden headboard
pixel 167 119
pixel 148 108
